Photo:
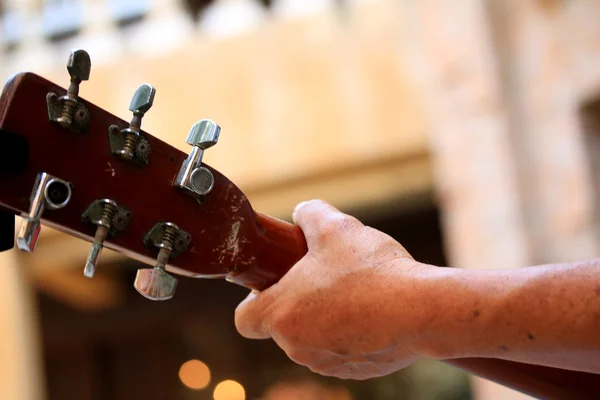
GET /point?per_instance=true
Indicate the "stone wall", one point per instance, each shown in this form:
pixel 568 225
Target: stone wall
pixel 505 83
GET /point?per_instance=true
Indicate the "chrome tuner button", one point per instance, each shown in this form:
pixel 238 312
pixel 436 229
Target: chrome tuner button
pixel 193 178
pixel 155 283
pixel 110 219
pixel 128 143
pixel 49 193
pixel 67 110
pixel 202 181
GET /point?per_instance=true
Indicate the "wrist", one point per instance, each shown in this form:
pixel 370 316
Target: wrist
pixel 433 341
pixel 456 313
pixel 422 291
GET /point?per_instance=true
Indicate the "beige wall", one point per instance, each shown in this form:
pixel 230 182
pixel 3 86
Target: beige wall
pixel 310 107
pixel 21 376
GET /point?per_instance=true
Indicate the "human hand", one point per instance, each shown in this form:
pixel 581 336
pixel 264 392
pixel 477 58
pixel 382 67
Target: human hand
pixel 351 308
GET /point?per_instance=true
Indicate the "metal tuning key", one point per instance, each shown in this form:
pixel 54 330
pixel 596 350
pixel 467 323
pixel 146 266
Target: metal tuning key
pixel 155 283
pixel 110 219
pixel 49 193
pixel 67 110
pixel 128 143
pixel 193 178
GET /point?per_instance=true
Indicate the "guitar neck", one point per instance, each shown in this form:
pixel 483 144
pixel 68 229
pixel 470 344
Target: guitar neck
pixel 279 246
pixel 283 244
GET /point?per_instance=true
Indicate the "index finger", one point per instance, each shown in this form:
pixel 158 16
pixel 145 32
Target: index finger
pixel 252 315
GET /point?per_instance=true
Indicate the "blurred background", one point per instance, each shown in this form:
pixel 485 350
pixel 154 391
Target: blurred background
pixel 468 130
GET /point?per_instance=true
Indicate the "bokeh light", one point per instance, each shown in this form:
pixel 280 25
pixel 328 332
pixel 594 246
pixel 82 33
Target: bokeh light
pixel 194 374
pixel 229 390
pixel 306 389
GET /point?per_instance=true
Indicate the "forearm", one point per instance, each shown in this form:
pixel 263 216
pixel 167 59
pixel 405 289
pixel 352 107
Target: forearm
pixel 547 315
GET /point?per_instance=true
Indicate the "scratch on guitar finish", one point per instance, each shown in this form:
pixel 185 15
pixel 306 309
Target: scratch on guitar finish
pixel 235 208
pixel 229 187
pixel 249 261
pixel 236 199
pixel 111 169
pixel 232 243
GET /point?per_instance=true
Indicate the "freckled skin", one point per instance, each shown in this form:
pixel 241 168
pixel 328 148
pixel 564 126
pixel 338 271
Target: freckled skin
pixel 358 306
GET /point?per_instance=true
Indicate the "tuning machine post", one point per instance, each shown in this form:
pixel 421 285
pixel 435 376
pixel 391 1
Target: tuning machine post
pixel 49 193
pixel 67 110
pixel 193 178
pixel 110 219
pixel 155 283
pixel 128 143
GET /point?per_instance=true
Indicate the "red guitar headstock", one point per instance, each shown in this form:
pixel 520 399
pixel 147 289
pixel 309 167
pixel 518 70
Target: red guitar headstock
pixel 73 166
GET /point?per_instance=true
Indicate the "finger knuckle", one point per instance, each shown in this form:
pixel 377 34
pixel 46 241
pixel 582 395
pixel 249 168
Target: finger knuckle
pixel 299 356
pixel 334 225
pixel 282 321
pixel 334 372
pixel 308 207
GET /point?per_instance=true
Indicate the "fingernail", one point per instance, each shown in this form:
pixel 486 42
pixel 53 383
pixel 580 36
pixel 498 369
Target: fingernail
pixel 297 208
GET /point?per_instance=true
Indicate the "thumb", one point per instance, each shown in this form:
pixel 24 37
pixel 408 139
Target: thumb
pixel 316 217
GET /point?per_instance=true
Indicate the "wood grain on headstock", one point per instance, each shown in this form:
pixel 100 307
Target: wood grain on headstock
pixel 228 237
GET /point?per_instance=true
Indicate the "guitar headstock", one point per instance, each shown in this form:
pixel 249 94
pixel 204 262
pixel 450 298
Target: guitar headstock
pixel 73 166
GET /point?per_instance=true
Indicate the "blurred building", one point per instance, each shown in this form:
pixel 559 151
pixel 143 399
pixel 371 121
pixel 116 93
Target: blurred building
pixel 479 116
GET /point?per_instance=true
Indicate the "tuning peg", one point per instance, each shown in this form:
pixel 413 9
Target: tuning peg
pixel 49 193
pixel 142 101
pixel 79 66
pixel 67 110
pixel 128 143
pixel 156 283
pixel 193 177
pixel 109 218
